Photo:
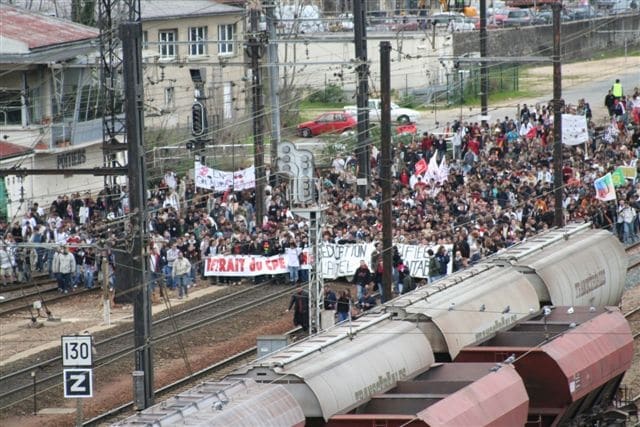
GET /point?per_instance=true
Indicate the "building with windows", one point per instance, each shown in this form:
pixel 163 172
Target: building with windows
pixel 179 37
pixel 50 108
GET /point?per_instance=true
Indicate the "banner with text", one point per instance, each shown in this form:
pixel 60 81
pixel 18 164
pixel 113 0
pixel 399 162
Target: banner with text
pixel 337 261
pixel 217 180
pixel 244 265
pixel 343 260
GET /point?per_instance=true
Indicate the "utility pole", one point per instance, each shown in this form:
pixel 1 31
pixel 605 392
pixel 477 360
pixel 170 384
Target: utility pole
pixel 557 116
pixel 385 164
pixel 484 76
pixel 274 80
pixel 255 45
pixel 131 36
pixel 362 150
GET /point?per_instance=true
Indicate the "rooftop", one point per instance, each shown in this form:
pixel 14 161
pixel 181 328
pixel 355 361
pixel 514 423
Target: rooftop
pixel 161 9
pixel 22 31
pixel 9 150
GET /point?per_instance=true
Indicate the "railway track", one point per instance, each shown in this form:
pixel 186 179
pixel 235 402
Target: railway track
pixel 213 372
pixel 633 249
pixel 18 385
pixel 45 294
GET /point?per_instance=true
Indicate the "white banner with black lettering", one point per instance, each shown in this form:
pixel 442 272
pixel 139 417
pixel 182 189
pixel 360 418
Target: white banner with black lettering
pixel 217 180
pixel 337 261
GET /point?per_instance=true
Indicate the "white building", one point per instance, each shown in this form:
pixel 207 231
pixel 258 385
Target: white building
pixel 49 107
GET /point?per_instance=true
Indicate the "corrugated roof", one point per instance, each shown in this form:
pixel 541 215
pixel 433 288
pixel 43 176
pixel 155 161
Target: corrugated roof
pixel 161 9
pixel 23 30
pixel 8 150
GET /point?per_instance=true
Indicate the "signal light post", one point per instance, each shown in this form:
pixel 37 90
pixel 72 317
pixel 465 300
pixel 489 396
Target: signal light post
pixel 198 119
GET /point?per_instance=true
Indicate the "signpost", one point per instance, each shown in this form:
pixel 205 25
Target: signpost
pixel 76 351
pixel 78 382
pixel 77 362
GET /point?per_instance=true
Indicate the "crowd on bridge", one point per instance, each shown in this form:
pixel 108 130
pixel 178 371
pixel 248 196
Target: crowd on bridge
pixel 495 190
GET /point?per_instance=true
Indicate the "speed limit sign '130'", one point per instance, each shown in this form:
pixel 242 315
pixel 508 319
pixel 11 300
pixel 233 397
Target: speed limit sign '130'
pixel 76 351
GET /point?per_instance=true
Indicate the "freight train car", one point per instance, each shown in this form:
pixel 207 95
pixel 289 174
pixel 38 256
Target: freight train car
pixel 560 368
pixel 342 367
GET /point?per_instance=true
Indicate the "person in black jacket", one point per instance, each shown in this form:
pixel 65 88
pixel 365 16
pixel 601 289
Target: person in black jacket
pixel 443 260
pixel 343 305
pixel 361 278
pixel 300 305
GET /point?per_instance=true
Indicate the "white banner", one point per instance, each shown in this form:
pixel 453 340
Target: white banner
pixel 217 180
pixel 337 261
pixel 574 129
pixel 344 260
pixel 417 259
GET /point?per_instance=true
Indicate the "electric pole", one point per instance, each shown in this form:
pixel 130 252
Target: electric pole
pixel 255 45
pixel 362 150
pixel 274 80
pixel 131 36
pixel 557 116
pixel 385 164
pixel 484 77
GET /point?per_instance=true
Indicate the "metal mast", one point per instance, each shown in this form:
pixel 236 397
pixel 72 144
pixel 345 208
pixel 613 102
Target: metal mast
pixel 110 14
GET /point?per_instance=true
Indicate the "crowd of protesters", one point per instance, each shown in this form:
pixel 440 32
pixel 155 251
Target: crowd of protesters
pixel 498 191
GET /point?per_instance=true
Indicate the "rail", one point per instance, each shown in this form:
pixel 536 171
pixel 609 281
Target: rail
pixel 223 364
pixel 53 365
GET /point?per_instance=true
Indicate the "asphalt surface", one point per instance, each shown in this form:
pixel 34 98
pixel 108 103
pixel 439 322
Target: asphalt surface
pixel 593 91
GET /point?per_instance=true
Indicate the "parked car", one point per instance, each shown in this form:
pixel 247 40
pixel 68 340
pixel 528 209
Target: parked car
pixel 332 122
pixel 545 16
pixel 583 12
pixel 465 24
pixel 405 23
pixel 398 114
pixel 345 22
pixel 518 18
pixel 443 18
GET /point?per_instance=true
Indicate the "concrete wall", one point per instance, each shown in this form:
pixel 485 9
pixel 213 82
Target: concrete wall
pixel 580 39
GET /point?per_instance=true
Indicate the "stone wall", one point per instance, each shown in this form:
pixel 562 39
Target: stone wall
pixel 580 39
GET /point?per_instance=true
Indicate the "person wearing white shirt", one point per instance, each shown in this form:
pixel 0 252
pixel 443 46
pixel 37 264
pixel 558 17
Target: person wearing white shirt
pixel 292 257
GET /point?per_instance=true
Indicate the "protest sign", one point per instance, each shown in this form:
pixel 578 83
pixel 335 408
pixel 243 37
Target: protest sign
pixel 219 181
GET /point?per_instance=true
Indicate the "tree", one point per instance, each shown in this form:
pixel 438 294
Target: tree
pixel 83 12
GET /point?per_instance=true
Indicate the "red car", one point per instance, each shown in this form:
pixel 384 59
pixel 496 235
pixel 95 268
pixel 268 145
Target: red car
pixel 333 122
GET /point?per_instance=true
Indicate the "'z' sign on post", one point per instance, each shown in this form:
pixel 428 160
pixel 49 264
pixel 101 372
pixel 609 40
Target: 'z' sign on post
pixel 77 360
pixel 78 383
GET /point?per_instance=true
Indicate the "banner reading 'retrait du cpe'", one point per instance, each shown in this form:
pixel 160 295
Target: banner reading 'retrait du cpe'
pixel 337 261
pixel 219 181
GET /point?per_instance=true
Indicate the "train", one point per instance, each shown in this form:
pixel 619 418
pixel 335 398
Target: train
pixel 339 370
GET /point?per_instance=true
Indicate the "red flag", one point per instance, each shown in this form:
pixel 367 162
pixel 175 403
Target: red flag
pixel 421 166
pixel 532 133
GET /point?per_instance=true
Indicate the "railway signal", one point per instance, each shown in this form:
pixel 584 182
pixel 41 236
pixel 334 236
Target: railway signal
pixel 198 119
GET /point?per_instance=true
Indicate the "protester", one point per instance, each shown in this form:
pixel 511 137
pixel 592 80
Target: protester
pixel 300 305
pixel 343 305
pixel 181 275
pixel 499 193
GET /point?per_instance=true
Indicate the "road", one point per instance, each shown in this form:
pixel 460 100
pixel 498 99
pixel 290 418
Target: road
pixel 593 91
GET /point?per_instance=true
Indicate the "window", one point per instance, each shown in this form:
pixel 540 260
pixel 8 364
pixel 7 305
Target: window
pixel 197 39
pixel 167 45
pixel 169 97
pixel 145 39
pixel 226 34
pixel 10 107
